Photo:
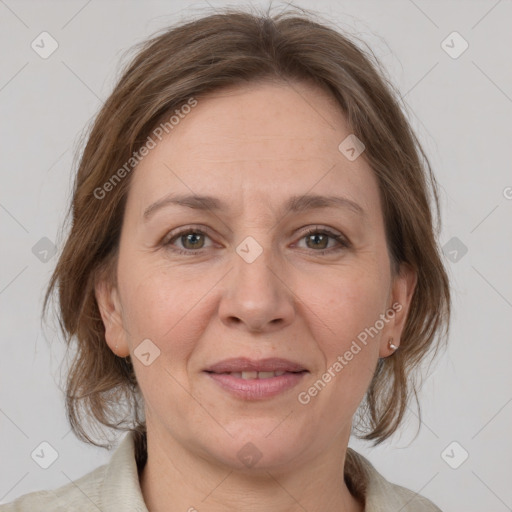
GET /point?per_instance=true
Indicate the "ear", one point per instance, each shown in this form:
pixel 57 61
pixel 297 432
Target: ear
pixel 109 305
pixel 402 290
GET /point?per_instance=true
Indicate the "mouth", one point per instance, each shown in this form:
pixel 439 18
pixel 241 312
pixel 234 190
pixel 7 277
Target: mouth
pixel 246 365
pixel 254 375
pixel 250 379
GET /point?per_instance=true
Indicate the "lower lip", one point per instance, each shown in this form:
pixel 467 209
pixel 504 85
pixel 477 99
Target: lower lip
pixel 256 389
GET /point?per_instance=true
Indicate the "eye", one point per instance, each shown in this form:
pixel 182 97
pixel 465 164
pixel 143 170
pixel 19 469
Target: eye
pixel 191 239
pixel 318 239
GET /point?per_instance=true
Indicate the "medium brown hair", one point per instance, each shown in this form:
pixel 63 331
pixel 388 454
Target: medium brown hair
pixel 190 60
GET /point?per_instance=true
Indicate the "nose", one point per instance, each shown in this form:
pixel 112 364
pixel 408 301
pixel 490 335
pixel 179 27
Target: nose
pixel 257 295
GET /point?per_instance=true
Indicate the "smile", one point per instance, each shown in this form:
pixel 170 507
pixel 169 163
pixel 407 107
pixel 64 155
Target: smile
pixel 252 385
pixel 255 375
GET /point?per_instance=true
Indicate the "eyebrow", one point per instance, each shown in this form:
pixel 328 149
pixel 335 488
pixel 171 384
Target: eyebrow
pixel 295 204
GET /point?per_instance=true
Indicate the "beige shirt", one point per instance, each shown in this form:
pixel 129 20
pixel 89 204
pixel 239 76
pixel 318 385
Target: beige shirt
pixel 114 487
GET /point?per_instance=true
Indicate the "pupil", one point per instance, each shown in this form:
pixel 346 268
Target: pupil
pixel 192 238
pixel 316 237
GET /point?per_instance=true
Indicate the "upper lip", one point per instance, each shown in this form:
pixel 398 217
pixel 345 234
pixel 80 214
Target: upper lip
pixel 244 364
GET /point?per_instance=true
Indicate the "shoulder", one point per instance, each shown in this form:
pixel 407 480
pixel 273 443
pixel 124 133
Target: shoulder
pixel 109 488
pixel 380 495
pixel 80 495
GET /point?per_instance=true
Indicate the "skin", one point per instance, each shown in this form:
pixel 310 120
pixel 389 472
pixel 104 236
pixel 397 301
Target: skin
pixel 252 146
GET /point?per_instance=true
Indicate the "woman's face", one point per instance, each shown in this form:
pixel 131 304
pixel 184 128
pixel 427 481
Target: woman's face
pixel 210 289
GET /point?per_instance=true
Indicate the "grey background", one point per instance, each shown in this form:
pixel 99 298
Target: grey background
pixel 461 109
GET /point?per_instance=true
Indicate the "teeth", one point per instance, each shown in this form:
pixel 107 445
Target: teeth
pixel 256 375
pixel 266 375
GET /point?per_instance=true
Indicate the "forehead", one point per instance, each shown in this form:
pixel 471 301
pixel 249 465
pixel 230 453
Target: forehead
pixel 280 117
pixel 259 140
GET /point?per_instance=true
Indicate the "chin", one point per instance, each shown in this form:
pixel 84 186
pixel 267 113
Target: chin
pixel 256 445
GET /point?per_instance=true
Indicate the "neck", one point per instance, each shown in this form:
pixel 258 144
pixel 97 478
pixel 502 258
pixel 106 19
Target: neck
pixel 176 479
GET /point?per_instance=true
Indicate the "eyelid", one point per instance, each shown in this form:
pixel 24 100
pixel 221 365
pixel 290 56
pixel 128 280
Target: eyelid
pixel 340 238
pixel 334 234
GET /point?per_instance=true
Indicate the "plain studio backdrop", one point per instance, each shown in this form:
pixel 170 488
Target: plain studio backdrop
pixel 451 62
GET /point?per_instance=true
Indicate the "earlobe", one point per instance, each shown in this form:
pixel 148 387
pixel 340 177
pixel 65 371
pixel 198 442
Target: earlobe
pixel 109 305
pixel 403 288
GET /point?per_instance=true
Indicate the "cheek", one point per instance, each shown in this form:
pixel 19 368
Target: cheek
pixel 164 305
pixel 344 304
pixel 348 307
pixel 166 309
pixel 349 354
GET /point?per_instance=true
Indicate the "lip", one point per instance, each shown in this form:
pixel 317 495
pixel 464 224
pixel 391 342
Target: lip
pixel 244 364
pixel 256 389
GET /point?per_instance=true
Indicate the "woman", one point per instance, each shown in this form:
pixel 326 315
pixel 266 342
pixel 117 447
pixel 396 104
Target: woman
pixel 252 273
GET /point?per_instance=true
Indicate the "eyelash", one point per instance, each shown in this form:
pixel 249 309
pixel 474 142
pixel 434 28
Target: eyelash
pixel 344 244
